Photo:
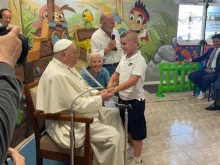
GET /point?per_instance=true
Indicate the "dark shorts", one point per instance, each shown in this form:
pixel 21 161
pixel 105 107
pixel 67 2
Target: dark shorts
pixel 136 119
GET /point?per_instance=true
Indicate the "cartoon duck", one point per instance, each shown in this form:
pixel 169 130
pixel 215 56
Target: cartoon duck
pixel 138 19
pixel 88 18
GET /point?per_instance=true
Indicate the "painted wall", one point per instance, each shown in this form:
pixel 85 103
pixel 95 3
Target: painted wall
pixel 157 33
pixel 156 26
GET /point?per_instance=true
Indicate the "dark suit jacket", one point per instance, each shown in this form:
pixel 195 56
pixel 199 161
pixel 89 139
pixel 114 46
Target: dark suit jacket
pixel 206 57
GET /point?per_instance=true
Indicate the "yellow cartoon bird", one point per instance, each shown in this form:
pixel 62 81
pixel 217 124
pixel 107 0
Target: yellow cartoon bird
pixel 88 18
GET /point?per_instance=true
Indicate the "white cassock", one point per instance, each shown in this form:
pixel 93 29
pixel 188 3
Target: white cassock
pixel 58 87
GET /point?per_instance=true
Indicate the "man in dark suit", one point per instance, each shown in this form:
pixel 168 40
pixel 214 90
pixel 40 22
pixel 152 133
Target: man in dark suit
pixel 204 77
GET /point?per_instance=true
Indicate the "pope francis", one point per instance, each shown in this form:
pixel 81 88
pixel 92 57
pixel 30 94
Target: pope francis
pixel 58 86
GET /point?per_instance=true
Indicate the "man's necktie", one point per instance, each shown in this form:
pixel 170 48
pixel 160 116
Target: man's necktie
pixel 211 59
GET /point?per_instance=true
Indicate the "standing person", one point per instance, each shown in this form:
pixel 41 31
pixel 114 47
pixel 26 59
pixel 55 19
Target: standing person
pixel 106 41
pixel 10 50
pixel 5 17
pixel 209 74
pixel 131 75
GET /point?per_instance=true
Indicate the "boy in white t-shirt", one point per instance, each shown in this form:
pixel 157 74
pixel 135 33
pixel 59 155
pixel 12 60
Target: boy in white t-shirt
pixel 130 74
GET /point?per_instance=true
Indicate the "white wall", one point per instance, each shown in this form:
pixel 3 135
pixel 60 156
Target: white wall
pixel 4 4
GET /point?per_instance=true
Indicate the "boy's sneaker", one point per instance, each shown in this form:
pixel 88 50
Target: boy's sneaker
pixel 133 162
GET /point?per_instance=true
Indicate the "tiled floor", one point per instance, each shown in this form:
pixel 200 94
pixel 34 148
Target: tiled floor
pixel 181 131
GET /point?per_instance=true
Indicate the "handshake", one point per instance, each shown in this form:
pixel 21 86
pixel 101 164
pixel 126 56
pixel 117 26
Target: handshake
pixel 106 94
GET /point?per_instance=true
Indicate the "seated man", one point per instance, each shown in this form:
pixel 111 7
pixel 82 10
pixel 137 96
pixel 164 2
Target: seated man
pixel 97 71
pixel 215 96
pixel 59 85
pixel 204 77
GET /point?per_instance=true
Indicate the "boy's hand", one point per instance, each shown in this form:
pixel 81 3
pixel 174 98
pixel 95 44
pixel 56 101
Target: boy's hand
pixel 106 95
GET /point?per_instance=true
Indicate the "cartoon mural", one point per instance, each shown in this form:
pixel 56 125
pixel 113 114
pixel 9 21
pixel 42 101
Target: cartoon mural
pixel 137 21
pixel 58 16
pixel 154 21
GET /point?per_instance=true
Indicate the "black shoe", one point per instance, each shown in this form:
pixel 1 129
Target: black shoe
pixel 212 107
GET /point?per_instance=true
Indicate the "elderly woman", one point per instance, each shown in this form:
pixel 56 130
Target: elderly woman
pixel 96 70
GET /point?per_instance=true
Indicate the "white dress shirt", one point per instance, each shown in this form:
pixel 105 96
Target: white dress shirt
pixel 100 40
pixel 7 26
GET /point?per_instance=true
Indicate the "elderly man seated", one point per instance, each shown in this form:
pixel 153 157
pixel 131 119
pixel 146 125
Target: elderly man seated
pixel 96 70
pixel 59 85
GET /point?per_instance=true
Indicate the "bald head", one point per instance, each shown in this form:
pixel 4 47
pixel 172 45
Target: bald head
pixel 6 17
pixel 106 16
pixel 107 22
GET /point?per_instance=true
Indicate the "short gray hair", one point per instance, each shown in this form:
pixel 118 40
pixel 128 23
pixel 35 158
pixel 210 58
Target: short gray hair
pixel 91 55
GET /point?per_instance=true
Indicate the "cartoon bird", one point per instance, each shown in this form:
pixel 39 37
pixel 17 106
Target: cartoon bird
pixel 58 17
pixel 138 19
pixel 88 18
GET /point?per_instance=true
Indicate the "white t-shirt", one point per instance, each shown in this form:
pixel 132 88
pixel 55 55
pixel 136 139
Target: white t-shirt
pixel 135 65
pixel 100 40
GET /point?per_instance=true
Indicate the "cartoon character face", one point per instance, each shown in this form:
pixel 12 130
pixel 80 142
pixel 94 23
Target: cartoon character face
pixel 138 17
pixel 59 16
pixel 87 15
pixel 136 21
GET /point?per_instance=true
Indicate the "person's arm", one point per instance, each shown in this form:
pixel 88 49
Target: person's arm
pixel 113 80
pixel 138 72
pixel 62 99
pixel 17 158
pixel 203 57
pixel 127 84
pixel 103 51
pixel 10 50
pixel 9 103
